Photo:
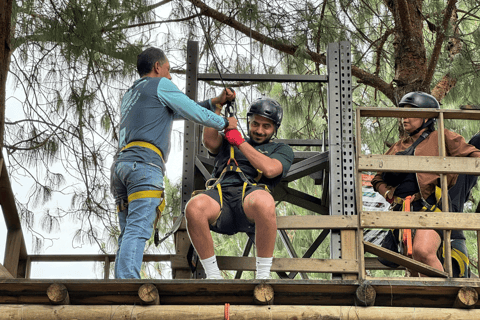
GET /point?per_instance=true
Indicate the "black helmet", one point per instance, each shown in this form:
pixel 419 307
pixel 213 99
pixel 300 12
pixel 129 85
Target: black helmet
pixel 267 108
pixel 418 99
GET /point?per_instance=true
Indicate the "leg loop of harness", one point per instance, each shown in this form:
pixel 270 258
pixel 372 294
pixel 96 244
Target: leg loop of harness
pixel 462 260
pixel 159 209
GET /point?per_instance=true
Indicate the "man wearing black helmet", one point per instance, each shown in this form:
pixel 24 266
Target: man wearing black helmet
pixel 424 187
pixel 238 198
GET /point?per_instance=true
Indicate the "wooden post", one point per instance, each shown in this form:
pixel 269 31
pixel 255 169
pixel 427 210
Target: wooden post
pixel 359 193
pixel 15 250
pixel 445 204
pixel 28 268
pixel 58 294
pixel 148 293
pixel 467 297
pixel 349 250
pixel 4 274
pixel 106 269
pixel 263 294
pixel 12 251
pixel 478 248
pixel 180 268
pixel 365 295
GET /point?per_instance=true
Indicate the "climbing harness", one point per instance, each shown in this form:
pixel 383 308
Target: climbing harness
pixel 459 253
pixel 144 145
pixel 150 194
pixel 232 167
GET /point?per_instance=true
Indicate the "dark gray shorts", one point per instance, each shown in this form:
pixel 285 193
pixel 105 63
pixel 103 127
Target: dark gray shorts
pixel 232 218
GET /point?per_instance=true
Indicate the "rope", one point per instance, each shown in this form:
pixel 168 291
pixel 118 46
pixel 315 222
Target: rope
pixel 226 314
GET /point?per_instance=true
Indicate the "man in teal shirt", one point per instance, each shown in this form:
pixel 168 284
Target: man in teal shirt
pixel 148 109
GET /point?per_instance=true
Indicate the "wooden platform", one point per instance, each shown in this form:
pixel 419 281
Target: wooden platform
pixel 394 292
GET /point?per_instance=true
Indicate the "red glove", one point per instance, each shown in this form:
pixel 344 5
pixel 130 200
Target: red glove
pixel 234 137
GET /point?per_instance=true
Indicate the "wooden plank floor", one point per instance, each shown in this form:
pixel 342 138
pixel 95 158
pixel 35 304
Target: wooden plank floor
pixel 398 292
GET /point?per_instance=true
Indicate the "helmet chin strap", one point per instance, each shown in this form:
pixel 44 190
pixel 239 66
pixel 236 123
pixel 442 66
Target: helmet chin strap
pixel 424 125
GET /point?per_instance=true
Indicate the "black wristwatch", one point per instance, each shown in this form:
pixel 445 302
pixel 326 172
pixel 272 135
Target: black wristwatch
pixel 226 123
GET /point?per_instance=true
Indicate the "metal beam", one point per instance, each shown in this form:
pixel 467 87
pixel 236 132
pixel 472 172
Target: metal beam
pixel 263 77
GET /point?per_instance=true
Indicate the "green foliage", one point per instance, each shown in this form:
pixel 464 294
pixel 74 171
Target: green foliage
pixel 70 60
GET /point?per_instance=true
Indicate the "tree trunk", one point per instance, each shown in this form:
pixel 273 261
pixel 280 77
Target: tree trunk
pixel 410 54
pixel 5 52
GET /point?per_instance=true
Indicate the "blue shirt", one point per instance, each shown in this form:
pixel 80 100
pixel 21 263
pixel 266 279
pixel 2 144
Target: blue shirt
pixel 147 112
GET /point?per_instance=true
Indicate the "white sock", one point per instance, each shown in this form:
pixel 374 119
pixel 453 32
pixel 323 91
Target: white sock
pixel 211 267
pixel 263 267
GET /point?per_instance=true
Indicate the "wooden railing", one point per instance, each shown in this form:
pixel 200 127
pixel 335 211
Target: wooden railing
pixel 416 220
pixel 17 262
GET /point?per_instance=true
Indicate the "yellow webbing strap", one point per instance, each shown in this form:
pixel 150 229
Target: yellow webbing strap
pixel 145 145
pixel 259 176
pixel 243 190
pixel 145 194
pixel 438 197
pixel 461 258
pixel 150 194
pixel 220 194
pixel 232 152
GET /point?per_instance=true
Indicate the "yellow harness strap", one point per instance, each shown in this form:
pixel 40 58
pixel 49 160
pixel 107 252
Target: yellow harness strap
pixel 433 208
pixel 150 194
pixel 147 194
pixel 461 258
pixel 216 183
pixel 426 207
pixel 219 187
pixel 145 145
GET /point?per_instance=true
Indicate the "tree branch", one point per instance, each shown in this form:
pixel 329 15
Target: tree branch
pixel 404 15
pixel 149 23
pixel 432 64
pixel 362 75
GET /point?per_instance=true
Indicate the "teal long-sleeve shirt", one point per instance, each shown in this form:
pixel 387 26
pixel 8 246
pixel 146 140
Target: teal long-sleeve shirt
pixel 148 110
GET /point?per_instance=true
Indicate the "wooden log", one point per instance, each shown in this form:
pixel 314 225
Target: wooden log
pixel 365 295
pixel 467 297
pixel 58 294
pixel 237 312
pixel 148 293
pixel 263 294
